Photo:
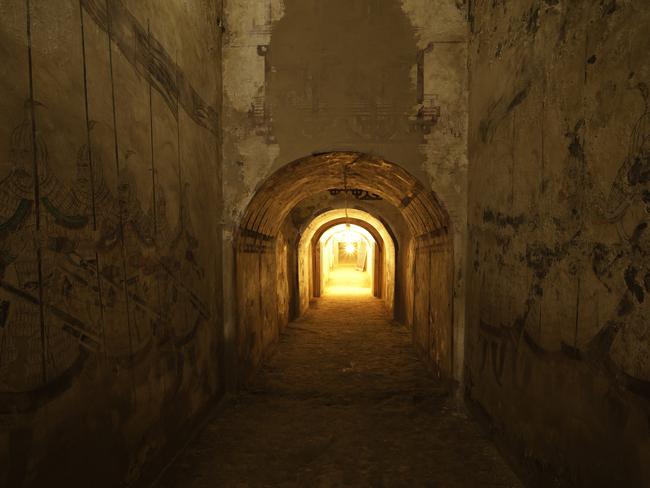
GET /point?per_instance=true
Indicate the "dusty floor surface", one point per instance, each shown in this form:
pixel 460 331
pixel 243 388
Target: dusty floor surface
pixel 344 401
pixel 347 280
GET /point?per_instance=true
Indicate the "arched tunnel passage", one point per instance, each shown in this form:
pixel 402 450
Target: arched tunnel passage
pixel 309 254
pixel 346 243
pixel 344 262
pixel 270 253
pixel 295 181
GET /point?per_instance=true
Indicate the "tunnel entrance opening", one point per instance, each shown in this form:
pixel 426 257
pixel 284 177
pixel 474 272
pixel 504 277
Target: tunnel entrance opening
pixel 282 264
pixel 346 255
pixel 375 272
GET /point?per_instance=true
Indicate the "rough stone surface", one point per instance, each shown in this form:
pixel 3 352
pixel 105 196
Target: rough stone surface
pixel 558 304
pixel 109 263
pixel 344 401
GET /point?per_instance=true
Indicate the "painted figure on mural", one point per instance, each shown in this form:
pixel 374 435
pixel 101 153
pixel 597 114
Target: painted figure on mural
pixel 628 206
pixel 33 282
pixel 21 367
pixel 84 271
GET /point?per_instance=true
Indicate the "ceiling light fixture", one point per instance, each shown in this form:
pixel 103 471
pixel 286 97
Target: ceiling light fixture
pixel 350 236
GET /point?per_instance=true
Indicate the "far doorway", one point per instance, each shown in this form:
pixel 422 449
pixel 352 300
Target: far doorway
pixel 347 259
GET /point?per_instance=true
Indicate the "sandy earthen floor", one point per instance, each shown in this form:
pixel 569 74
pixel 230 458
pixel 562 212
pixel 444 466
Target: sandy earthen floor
pixel 344 401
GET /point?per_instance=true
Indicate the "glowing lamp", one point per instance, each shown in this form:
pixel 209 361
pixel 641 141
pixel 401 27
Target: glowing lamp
pixel 349 236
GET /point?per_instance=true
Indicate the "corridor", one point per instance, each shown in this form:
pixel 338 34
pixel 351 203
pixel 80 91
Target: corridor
pixel 347 281
pixel 343 401
pixel 253 243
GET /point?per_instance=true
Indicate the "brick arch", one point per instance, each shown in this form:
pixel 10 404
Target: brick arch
pixel 308 277
pixel 378 274
pixel 264 291
pixel 292 183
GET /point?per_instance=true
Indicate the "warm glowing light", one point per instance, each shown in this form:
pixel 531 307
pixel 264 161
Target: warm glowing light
pixel 350 248
pixel 350 236
pixel 348 282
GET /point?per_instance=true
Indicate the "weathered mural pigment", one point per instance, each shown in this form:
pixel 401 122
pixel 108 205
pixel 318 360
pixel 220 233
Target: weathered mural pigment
pixel 558 252
pixel 108 262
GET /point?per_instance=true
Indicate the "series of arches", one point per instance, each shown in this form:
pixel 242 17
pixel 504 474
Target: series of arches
pixel 290 184
pixel 278 263
pixel 309 253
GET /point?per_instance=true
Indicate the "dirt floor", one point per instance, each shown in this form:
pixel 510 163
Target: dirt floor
pixel 344 401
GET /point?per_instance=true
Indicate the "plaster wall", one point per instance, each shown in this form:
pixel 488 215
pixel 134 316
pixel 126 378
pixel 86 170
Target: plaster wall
pixel 262 304
pixel 558 353
pixel 380 77
pixel 110 278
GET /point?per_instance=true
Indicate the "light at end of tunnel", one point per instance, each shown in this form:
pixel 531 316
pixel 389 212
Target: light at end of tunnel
pixel 350 236
pixel 350 248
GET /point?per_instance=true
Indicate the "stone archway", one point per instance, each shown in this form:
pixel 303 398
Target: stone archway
pixel 261 285
pixel 378 262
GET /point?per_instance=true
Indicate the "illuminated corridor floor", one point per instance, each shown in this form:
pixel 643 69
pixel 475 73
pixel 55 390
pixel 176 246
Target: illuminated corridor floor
pixel 344 401
pixel 347 281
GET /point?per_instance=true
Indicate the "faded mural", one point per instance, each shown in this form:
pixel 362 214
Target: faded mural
pixel 559 238
pixel 108 277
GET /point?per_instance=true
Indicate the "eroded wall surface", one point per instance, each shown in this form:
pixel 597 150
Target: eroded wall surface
pixel 558 301
pixel 380 77
pixel 109 261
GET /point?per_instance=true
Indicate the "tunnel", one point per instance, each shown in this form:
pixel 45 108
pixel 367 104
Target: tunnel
pixel 353 228
pixel 412 269
pixel 309 243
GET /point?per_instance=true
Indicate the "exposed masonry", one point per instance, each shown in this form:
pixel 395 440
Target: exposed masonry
pixel 295 182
